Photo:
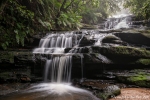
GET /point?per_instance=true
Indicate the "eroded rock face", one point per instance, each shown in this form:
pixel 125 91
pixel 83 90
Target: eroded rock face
pixel 93 60
pixel 134 37
pixel 113 40
pixel 16 66
pixel 86 41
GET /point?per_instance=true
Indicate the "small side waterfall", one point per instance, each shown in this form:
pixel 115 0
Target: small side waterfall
pixel 47 66
pixel 61 69
pixel 117 23
pixel 121 19
pixel 82 67
pixel 58 69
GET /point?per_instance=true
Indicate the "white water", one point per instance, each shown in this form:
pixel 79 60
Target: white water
pixel 56 88
pixel 117 23
pixel 61 69
pixel 54 91
pixel 122 24
pixel 119 20
pixel 99 38
pixel 56 43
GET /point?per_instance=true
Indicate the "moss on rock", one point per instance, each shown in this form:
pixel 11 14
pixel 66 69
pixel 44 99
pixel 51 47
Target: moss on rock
pixel 122 51
pixel 109 92
pixel 143 61
pixel 136 77
pixel 124 54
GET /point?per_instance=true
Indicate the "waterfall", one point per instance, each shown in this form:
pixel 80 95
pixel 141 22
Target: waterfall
pixel 122 24
pixel 47 65
pixel 61 69
pixel 58 69
pixel 119 22
pixel 58 66
pixel 56 43
pixel 121 19
pixel 82 67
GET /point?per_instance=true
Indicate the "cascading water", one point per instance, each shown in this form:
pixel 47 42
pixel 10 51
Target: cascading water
pixel 122 19
pixel 61 69
pixel 118 22
pixel 55 43
pixel 58 69
pixel 58 66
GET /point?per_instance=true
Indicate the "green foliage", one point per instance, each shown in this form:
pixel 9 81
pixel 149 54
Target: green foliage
pixel 69 19
pixel 141 8
pixel 15 21
pixel 104 8
pixel 19 19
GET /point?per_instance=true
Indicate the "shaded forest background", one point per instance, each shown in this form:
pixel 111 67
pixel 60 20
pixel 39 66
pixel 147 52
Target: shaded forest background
pixel 20 19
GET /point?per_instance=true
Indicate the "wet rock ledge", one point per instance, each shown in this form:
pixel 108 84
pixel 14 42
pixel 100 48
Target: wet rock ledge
pixel 23 65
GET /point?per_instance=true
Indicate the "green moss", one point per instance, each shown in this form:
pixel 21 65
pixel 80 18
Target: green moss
pixel 140 79
pixel 103 96
pixel 129 51
pixel 144 61
pixel 137 78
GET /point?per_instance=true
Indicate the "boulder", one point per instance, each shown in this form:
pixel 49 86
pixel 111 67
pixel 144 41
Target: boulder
pixel 102 90
pixel 135 37
pixel 109 92
pixel 86 41
pixel 113 39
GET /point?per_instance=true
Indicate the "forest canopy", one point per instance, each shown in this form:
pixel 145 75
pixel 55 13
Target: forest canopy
pixel 20 19
pixel 141 8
